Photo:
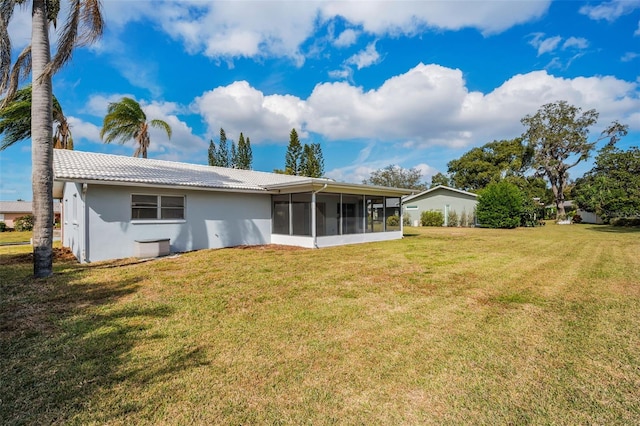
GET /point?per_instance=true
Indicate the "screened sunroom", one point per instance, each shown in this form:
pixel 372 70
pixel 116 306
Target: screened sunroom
pixel 321 214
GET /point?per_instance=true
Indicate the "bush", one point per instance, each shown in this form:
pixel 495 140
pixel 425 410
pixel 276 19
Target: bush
pixel 24 223
pixel 432 218
pixel 393 221
pixel 3 226
pixel 464 219
pixel 577 218
pixel 406 220
pixel 500 205
pixel 625 221
pixel 452 218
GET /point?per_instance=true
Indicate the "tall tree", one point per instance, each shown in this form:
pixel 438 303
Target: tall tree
pixel 612 187
pixel 125 120
pixel 558 134
pixel 490 163
pixel 212 153
pixel 84 25
pixel 233 156
pixel 311 161
pixel 293 155
pixel 244 156
pixel 397 177
pixel 223 150
pixel 15 121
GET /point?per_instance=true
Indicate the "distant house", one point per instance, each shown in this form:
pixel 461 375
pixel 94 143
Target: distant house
pixel 113 204
pixel 440 198
pixel 12 210
pixel 587 216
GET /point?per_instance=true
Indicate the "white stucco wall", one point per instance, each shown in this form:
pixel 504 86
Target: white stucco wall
pixel 73 218
pixel 212 220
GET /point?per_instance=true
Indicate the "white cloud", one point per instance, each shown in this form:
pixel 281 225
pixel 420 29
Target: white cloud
pixel 575 43
pixel 629 56
pixel 545 45
pixel 637 32
pixel 610 11
pixel 427 106
pixel 239 107
pixel 279 28
pixel 347 38
pixel 365 58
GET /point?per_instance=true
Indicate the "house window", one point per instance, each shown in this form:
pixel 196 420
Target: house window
pixel 163 207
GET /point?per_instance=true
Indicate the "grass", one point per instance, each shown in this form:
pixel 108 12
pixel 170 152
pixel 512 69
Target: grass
pixel 447 326
pixel 15 237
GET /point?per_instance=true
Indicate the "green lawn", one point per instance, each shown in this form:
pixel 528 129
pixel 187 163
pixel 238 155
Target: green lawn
pixel 15 237
pixel 447 326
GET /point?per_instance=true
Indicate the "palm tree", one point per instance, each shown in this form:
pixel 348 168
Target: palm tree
pixel 125 120
pixel 84 24
pixel 15 121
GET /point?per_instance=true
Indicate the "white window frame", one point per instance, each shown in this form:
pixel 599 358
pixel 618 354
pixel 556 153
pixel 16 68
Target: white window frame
pixel 158 218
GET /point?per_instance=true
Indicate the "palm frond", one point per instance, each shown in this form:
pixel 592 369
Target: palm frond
pixel 83 26
pixel 161 124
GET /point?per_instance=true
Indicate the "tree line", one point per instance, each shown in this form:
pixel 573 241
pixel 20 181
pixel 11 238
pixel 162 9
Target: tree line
pixel 536 165
pixel 239 157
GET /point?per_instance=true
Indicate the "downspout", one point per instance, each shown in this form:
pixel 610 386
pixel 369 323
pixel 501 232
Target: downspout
pixel 85 221
pixel 314 217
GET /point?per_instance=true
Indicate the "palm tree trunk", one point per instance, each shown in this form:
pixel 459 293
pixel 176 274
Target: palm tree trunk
pixel 41 144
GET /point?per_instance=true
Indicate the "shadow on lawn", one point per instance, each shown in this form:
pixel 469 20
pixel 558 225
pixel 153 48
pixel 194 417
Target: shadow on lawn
pixel 615 229
pixel 64 339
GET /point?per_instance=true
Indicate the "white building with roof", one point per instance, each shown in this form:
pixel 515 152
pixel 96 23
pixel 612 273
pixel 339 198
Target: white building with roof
pixel 112 203
pixel 443 199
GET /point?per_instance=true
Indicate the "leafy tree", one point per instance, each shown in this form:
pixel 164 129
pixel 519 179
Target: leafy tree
pixel 293 155
pixel 125 120
pixel 83 26
pixel 397 177
pixel 500 205
pixel 244 156
pixel 15 121
pixel 612 187
pixel 558 134
pixel 492 162
pixel 439 179
pixel 312 161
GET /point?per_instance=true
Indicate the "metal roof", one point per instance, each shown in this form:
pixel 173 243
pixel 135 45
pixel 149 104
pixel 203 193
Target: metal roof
pixel 23 207
pixel 459 191
pixel 89 167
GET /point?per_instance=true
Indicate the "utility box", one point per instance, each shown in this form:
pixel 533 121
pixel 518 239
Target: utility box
pixel 151 248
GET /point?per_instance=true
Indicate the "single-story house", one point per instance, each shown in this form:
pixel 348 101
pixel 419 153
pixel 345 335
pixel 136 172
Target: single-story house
pixel 440 198
pixel 112 203
pixel 12 210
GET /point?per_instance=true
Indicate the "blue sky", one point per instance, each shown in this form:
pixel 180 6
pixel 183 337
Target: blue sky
pixel 411 83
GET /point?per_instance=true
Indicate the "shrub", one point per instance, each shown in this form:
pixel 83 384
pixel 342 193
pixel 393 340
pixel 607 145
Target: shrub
pixel 24 223
pixel 464 219
pixel 3 226
pixel 625 221
pixel 577 218
pixel 432 218
pixel 406 220
pixel 500 205
pixel 452 218
pixel 393 221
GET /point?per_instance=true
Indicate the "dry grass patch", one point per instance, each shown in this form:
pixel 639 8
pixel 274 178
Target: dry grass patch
pixel 444 327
